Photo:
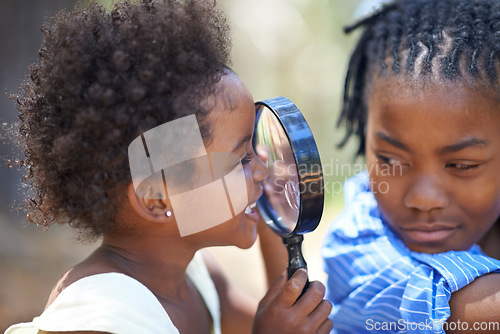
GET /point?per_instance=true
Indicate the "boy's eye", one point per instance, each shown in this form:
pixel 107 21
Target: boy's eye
pixel 392 166
pixel 390 161
pixel 462 166
pixel 247 158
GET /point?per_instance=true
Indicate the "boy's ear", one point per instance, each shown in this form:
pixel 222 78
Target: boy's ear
pixel 157 210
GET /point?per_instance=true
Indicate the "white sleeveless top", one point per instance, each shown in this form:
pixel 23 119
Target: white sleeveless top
pixel 119 304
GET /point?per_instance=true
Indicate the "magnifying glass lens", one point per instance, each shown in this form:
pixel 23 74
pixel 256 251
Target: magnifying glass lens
pixel 281 187
pixel 292 195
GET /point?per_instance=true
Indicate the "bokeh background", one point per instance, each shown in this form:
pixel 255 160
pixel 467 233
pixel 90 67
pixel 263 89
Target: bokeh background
pixel 292 48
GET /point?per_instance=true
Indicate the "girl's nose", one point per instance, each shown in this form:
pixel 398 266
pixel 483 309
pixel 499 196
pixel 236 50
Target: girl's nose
pixel 260 171
pixel 426 194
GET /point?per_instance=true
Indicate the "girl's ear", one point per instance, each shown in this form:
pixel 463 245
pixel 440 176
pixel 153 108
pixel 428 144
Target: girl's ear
pixel 156 210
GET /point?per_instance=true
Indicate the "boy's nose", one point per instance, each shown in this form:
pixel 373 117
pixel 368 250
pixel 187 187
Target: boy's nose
pixel 425 193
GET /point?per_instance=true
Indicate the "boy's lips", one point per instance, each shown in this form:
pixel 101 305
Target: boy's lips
pixel 430 232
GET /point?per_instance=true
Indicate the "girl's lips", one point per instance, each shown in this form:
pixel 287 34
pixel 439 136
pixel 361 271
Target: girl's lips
pixel 252 213
pixel 249 208
pixel 429 233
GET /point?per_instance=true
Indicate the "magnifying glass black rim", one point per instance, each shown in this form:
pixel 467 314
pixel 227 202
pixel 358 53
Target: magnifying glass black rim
pixel 310 173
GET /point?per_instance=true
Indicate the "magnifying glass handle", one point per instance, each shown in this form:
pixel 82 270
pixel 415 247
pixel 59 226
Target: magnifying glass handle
pixel 296 260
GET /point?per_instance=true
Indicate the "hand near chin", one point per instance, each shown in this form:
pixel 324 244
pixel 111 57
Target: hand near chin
pixel 280 311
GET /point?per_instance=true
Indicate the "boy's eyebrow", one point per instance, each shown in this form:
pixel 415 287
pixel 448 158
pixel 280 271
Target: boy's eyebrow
pixel 242 141
pixel 469 142
pixel 392 141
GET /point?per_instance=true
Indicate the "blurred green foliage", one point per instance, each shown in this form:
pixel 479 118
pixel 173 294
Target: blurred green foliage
pixel 297 49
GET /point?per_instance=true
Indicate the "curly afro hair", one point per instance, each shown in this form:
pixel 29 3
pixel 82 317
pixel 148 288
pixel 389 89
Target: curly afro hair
pixel 102 79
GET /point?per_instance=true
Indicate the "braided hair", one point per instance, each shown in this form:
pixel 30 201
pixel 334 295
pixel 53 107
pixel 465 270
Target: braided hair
pixel 450 39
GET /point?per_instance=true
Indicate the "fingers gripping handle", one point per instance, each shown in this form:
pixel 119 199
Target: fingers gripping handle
pixel 296 260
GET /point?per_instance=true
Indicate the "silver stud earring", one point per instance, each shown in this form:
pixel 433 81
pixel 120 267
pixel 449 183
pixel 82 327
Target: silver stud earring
pixel 168 213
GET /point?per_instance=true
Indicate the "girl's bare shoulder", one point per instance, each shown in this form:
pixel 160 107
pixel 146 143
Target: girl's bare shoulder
pixel 93 265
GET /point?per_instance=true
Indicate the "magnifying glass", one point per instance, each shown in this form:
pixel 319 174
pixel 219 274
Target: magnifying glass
pixel 293 198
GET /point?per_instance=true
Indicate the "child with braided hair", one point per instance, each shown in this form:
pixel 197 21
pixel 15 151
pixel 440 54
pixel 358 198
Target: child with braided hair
pixel 416 249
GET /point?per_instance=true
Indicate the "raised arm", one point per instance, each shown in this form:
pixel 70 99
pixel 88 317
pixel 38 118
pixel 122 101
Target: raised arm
pixel 273 252
pixel 237 308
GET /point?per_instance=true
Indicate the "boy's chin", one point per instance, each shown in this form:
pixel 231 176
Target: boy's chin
pixel 433 248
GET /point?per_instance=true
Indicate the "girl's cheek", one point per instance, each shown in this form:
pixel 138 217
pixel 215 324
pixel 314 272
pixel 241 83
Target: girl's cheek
pixel 249 181
pixel 250 185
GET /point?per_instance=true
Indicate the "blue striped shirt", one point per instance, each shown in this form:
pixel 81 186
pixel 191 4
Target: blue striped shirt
pixel 378 285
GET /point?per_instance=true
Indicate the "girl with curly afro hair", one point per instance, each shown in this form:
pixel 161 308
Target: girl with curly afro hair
pixel 104 84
